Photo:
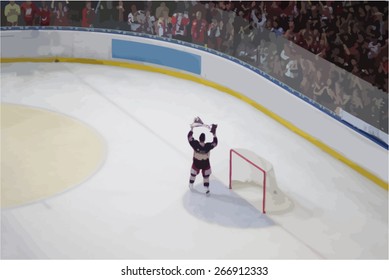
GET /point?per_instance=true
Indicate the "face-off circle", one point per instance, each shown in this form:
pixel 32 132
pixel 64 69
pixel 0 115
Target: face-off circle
pixel 44 153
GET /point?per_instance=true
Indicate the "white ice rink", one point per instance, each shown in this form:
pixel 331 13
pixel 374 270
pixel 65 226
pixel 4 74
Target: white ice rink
pixel 138 204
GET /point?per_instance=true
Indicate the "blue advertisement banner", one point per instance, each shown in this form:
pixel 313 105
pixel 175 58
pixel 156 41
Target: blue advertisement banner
pixel 156 55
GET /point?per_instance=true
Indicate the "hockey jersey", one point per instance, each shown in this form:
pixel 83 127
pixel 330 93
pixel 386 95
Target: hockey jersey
pixel 201 152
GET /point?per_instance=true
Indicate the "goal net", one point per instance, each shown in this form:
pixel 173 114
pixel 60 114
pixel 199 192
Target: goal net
pixel 247 169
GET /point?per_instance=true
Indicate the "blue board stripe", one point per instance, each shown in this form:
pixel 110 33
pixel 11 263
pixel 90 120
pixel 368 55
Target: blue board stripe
pixel 157 55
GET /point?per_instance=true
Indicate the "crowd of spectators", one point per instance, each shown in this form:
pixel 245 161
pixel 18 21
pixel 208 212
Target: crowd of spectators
pixel 289 40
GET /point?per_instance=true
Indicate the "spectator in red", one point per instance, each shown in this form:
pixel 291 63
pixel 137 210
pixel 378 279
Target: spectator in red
pixel 88 15
pixel 199 27
pixel 180 22
pixel 60 14
pixel 44 13
pixel 29 12
pixel 291 10
pixel 274 10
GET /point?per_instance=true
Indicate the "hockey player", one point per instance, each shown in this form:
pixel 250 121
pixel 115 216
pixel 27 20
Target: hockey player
pixel 201 157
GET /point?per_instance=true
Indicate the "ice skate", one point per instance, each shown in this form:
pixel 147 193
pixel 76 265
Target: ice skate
pixel 207 192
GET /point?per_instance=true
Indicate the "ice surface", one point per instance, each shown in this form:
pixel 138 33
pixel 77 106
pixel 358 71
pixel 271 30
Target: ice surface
pixel 138 204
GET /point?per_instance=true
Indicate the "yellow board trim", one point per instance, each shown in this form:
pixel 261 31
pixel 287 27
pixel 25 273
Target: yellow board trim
pixel 200 80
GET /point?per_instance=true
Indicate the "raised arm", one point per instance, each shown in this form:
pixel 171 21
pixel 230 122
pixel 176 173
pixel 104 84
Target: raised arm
pixel 214 142
pixel 213 131
pixel 190 135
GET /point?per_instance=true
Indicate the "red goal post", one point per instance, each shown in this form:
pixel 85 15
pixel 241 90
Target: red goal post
pixel 260 169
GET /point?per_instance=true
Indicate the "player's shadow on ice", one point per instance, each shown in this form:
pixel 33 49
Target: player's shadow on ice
pixel 223 207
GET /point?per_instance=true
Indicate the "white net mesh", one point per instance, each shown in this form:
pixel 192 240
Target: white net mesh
pixel 245 174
